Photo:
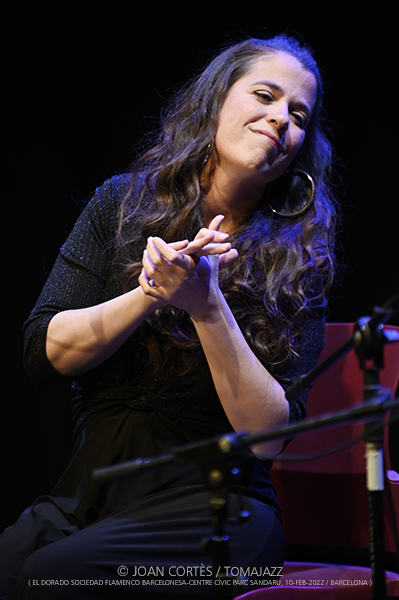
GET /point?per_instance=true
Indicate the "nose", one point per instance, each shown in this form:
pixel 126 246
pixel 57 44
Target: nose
pixel 278 117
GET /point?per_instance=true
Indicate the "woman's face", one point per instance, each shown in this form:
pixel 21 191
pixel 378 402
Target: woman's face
pixel 263 121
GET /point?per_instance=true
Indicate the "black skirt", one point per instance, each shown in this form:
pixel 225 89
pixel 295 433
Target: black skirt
pixel 139 536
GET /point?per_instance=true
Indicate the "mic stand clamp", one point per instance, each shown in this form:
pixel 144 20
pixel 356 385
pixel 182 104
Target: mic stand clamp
pixel 216 467
pixel 216 476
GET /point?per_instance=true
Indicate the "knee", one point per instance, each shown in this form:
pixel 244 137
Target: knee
pixel 45 575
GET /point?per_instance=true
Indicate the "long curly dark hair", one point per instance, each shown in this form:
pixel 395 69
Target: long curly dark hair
pixel 284 264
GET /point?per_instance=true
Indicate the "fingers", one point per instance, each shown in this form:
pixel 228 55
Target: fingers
pixel 209 240
pixel 169 276
pixel 160 261
pixel 179 245
pixel 216 222
pixel 212 232
pixel 148 273
pixel 198 250
pixel 163 254
pixel 145 281
pixel 227 258
pixel 152 262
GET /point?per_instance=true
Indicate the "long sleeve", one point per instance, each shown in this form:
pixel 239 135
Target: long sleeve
pixel 80 276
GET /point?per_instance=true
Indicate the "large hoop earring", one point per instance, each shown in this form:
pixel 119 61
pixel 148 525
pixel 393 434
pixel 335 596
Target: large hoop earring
pixel 292 194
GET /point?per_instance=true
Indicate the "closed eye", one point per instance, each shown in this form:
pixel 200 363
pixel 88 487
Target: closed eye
pixel 264 96
pixel 300 120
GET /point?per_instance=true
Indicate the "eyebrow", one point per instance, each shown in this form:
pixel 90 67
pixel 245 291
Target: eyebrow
pixel 278 88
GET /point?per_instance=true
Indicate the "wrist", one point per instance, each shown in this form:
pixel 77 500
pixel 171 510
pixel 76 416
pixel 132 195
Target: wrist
pixel 149 303
pixel 210 311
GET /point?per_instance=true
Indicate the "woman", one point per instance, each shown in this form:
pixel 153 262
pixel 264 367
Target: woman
pixel 189 295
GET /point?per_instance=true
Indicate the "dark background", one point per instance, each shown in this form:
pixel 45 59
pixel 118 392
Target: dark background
pixel 82 85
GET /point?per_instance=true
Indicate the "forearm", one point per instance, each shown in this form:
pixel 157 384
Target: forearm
pixel 80 339
pixel 252 399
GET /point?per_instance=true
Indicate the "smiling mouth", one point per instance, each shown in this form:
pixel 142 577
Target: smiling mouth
pixel 276 142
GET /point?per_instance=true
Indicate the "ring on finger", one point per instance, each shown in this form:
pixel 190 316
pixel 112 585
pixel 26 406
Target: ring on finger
pixel 151 283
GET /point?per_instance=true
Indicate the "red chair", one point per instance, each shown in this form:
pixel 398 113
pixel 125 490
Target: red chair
pixel 324 501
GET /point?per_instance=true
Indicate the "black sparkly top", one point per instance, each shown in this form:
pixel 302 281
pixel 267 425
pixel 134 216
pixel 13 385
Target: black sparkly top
pixel 122 400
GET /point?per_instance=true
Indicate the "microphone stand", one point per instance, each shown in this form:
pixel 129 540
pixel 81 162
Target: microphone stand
pixel 231 449
pixel 217 455
pixel 369 343
pixel 368 340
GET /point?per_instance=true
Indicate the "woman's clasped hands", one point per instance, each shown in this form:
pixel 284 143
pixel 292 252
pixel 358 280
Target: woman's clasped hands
pixel 185 274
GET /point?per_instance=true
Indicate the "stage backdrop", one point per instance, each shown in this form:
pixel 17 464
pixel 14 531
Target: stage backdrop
pixel 83 86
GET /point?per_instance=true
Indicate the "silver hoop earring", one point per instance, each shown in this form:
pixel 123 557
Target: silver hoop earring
pixel 292 194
